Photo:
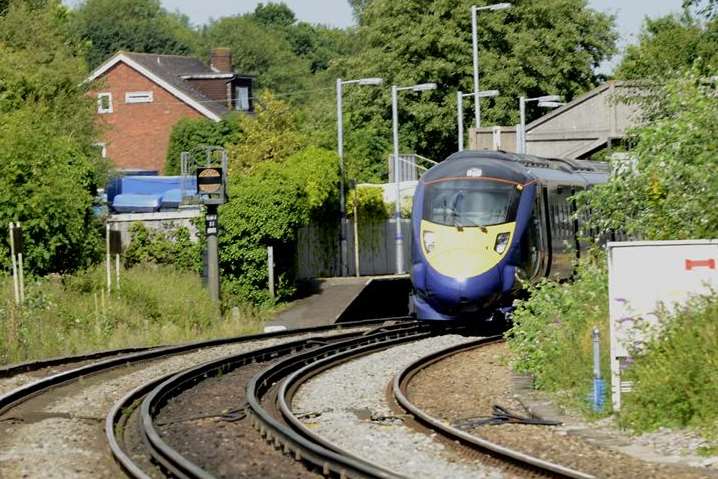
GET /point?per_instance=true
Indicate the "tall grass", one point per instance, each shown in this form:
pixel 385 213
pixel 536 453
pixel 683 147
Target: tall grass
pixel 676 375
pixel 75 314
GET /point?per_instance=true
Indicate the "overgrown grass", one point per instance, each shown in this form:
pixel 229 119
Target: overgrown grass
pixel 551 336
pixel 74 314
pixel 674 376
pixel 675 379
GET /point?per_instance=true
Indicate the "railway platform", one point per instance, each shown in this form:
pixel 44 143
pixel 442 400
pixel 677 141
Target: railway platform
pixel 333 300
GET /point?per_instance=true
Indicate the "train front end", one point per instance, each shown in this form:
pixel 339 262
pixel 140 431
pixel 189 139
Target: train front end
pixel 469 215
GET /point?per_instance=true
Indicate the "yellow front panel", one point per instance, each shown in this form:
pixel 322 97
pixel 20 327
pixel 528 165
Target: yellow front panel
pixel 466 253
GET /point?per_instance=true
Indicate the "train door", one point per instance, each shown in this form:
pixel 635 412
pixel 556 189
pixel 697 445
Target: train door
pixel 535 244
pixel 563 237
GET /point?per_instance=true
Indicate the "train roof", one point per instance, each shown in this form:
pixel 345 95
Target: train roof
pixel 520 168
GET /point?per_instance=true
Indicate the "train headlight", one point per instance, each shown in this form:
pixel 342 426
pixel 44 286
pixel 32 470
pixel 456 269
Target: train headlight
pixel 429 241
pixel 502 241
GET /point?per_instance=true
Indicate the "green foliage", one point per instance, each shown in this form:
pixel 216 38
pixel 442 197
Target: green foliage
pixel 670 44
pixel 260 50
pixel 73 314
pixel 369 204
pixel 272 134
pixel 534 48
pixel 50 168
pixel 173 247
pixel 141 26
pixel 668 195
pixel 267 207
pixel 189 134
pixel 551 334
pixel 274 15
pixel 674 378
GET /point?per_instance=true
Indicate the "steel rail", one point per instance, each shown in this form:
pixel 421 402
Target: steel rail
pixel 517 458
pixel 315 451
pixel 158 392
pixel 30 366
pixel 21 394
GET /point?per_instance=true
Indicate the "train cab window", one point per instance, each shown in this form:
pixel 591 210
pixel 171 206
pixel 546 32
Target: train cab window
pixel 467 203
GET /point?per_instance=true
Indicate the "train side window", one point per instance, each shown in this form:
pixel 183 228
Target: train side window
pixel 530 247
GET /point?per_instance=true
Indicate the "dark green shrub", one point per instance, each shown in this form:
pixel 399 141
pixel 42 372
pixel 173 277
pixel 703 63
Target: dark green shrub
pixel 172 247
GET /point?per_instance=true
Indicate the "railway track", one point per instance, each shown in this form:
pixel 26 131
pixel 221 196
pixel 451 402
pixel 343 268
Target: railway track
pixel 45 421
pixel 519 462
pixel 264 407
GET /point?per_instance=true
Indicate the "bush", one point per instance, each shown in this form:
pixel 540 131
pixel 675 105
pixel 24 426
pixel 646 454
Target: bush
pixel 668 195
pixel 73 314
pixel 266 209
pixel 675 381
pixel 551 334
pixel 172 247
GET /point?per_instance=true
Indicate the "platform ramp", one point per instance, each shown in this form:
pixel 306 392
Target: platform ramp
pixel 333 300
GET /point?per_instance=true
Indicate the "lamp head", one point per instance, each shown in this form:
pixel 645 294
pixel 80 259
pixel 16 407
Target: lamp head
pixel 549 98
pixel 424 87
pixel 500 6
pixel 371 81
pixel 550 104
pixel 488 93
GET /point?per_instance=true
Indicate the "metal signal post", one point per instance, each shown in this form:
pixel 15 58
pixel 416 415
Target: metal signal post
pixel 211 188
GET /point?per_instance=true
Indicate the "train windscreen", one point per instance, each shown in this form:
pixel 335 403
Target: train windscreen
pixel 469 202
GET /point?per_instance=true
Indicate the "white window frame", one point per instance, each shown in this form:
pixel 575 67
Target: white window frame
pixel 139 97
pixel 100 96
pixel 102 147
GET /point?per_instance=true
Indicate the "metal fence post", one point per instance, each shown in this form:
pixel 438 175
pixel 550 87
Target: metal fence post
pixel 14 264
pixel 270 270
pixel 597 380
pixel 108 258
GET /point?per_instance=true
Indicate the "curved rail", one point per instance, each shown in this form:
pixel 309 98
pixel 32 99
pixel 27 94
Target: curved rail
pixel 159 392
pixel 517 458
pixel 295 437
pixel 16 396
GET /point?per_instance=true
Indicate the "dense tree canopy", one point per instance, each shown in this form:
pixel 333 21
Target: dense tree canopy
pixel 50 167
pixel 657 54
pixel 141 26
pixel 534 48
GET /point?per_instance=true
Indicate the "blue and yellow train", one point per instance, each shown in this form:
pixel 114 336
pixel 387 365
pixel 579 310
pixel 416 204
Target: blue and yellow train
pixel 485 223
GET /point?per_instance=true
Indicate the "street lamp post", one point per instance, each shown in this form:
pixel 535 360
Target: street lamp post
pixel 395 127
pixel 475 42
pixel 546 101
pixel 340 152
pixel 460 111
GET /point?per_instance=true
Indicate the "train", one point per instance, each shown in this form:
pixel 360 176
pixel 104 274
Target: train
pixel 485 224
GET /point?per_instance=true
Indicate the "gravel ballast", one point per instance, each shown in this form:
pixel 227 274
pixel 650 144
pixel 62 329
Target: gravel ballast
pixel 468 384
pixel 354 415
pixel 60 434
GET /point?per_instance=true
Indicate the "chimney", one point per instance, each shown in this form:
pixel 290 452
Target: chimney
pixel 221 60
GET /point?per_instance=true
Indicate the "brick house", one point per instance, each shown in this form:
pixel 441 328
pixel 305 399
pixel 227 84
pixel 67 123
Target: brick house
pixel 140 97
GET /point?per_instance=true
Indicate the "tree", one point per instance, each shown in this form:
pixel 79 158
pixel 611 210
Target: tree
pixel 709 8
pixel 272 135
pixel 141 26
pixel 50 168
pixel 274 15
pixel 534 48
pixel 190 133
pixel 259 50
pixel 670 44
pixel 359 6
pixel 668 194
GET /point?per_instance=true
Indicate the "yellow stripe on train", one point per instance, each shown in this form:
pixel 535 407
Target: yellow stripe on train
pixel 464 253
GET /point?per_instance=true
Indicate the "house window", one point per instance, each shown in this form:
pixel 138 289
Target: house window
pixel 102 147
pixel 104 103
pixel 241 98
pixel 138 97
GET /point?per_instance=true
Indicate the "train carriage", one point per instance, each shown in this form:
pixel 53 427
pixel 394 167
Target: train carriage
pixel 485 223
